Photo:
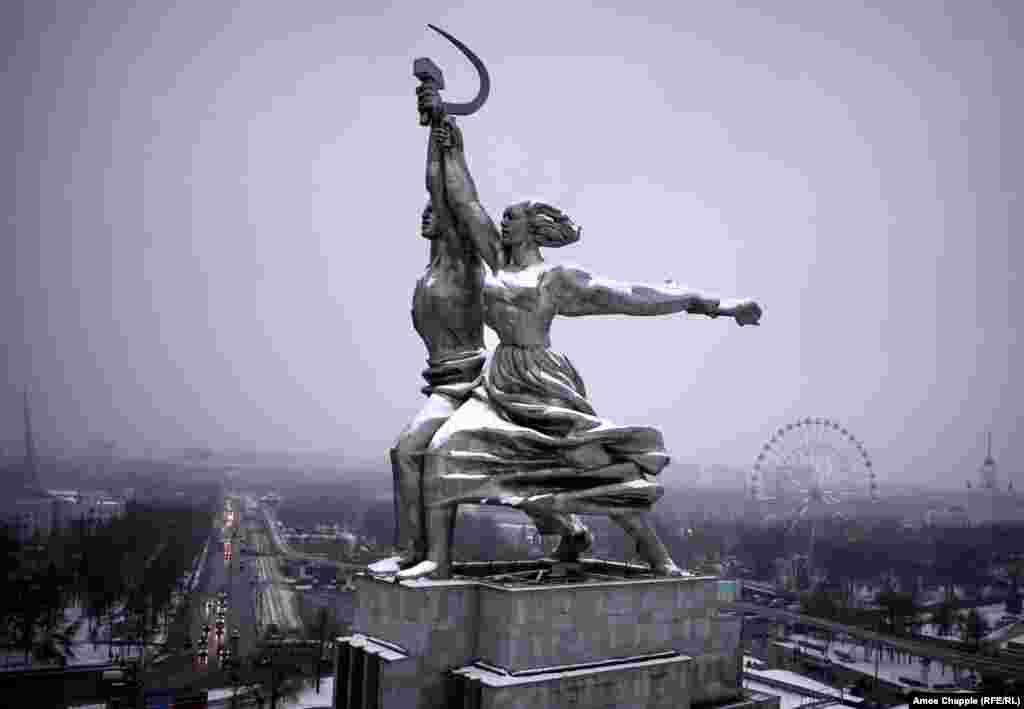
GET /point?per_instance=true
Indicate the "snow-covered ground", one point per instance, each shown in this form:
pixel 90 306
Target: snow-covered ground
pixel 812 686
pixel 853 657
pixel 307 699
pixel 90 645
pixel 991 613
pixel 787 699
pixel 198 567
pixel 86 651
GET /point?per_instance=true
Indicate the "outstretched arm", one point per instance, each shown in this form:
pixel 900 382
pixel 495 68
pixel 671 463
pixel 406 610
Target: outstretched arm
pixel 470 216
pixel 578 292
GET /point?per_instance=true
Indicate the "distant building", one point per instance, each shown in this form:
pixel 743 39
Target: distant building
pixel 989 499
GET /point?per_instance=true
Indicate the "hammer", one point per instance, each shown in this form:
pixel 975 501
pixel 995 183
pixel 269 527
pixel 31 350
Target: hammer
pixel 429 74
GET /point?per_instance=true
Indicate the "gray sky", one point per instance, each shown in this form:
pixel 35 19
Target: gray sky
pixel 213 215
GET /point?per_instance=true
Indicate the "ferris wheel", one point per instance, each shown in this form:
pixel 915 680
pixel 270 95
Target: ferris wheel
pixel 816 460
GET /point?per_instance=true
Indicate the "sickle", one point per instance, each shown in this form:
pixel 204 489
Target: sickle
pixel 465 109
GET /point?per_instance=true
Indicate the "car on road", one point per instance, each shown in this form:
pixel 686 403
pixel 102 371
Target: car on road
pixel 206 629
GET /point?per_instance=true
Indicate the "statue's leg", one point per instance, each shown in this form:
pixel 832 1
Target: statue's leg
pixel 407 465
pixel 440 539
pixel 651 549
pixel 576 538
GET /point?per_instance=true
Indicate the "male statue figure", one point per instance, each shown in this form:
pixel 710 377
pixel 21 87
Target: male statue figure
pixel 447 314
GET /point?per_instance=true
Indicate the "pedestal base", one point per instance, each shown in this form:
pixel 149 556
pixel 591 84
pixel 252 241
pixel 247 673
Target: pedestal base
pixel 495 637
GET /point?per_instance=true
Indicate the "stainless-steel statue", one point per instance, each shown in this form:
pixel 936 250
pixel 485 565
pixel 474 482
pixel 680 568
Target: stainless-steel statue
pixel 447 312
pixel 519 429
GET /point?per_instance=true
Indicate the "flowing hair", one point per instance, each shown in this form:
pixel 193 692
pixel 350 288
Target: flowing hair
pixel 549 226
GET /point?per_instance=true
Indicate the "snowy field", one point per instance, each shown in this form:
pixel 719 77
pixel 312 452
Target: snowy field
pixel 890 669
pixel 307 699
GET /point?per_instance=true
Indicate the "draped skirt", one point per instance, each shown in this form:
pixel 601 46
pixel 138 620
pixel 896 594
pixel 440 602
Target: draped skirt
pixel 527 436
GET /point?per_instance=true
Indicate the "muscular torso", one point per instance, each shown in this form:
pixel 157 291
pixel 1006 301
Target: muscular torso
pixel 447 310
pixel 519 306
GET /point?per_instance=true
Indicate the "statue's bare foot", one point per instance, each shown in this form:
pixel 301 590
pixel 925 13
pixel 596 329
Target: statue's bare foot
pixel 573 545
pixel 385 567
pixel 420 570
pixel 669 569
pixel 393 564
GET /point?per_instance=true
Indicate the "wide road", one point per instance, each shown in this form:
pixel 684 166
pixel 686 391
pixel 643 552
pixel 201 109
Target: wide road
pixel 988 665
pixel 188 668
pixel 222 571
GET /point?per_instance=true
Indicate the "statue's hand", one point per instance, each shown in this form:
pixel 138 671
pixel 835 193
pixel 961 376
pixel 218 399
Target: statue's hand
pixel 441 134
pixel 747 312
pixel 428 100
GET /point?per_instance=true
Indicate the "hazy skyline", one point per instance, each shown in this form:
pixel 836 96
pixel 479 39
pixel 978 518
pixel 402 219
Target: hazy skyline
pixel 213 216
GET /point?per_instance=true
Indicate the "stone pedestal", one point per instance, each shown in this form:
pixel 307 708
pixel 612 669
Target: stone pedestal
pixel 496 636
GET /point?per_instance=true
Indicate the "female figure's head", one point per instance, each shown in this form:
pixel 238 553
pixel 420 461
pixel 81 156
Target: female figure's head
pixel 537 224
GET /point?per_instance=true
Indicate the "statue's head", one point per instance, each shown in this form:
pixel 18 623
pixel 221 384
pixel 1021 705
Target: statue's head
pixel 428 225
pixel 538 223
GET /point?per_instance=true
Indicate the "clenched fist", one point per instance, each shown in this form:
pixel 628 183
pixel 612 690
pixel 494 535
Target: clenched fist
pixel 428 100
pixel 746 312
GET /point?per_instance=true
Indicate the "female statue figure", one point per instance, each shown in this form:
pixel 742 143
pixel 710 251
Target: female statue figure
pixel 528 437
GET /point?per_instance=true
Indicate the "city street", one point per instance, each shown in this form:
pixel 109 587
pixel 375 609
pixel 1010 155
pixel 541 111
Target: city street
pixel 222 571
pixel 257 595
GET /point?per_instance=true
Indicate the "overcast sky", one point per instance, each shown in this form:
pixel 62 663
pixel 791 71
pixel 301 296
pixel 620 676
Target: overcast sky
pixel 213 214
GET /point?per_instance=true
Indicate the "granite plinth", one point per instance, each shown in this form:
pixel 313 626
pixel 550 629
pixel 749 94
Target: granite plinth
pixel 504 638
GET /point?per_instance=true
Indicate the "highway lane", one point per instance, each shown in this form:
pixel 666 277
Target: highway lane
pixel 184 667
pixel 242 593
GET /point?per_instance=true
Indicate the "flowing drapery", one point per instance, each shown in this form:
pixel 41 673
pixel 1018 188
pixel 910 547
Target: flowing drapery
pixel 528 436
